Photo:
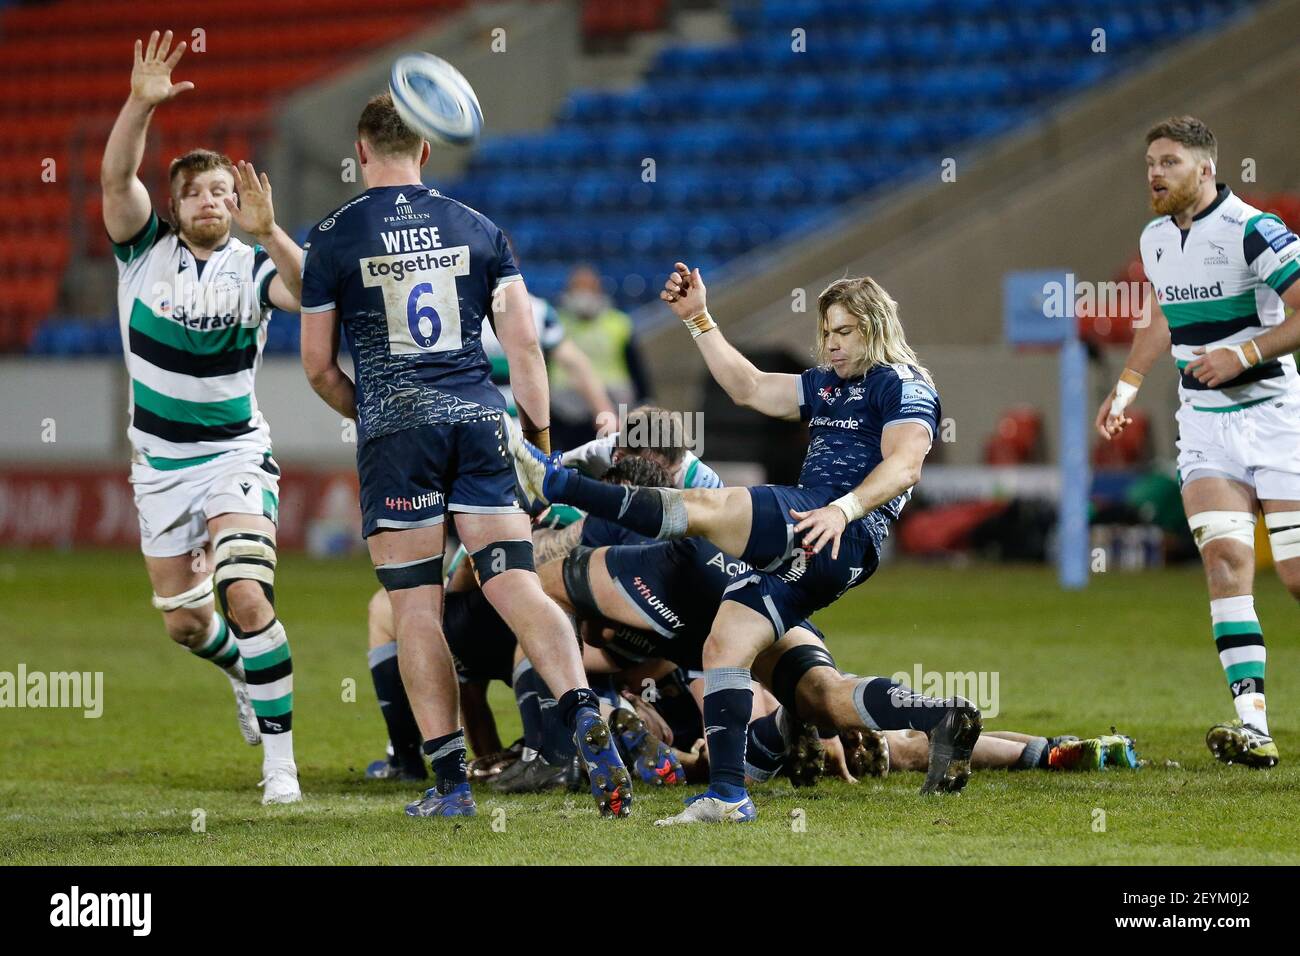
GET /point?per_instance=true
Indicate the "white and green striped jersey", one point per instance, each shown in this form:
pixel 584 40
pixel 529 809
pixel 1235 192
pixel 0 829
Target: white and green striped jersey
pixel 1220 283
pixel 550 333
pixel 193 333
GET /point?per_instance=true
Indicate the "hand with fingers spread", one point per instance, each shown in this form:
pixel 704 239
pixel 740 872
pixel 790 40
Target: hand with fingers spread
pixel 685 294
pixel 820 527
pixel 251 209
pixel 151 76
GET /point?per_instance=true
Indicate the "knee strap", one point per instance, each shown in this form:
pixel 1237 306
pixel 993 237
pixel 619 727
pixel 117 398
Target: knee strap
pixel 576 573
pixel 1210 526
pixel 790 668
pixel 244 554
pixel 1284 534
pixel 501 556
pixel 411 574
pixel 198 596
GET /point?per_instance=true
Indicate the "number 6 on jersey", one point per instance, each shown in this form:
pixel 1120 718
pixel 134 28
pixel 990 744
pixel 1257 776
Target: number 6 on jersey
pixel 421 305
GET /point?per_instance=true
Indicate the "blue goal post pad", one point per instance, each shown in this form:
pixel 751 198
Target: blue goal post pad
pixel 1038 307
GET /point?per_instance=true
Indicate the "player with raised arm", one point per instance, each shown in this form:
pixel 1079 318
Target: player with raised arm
pixel 1224 274
pixel 872 412
pixel 413 275
pixel 194 303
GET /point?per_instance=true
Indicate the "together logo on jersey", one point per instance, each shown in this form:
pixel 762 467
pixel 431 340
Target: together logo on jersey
pixel 412 275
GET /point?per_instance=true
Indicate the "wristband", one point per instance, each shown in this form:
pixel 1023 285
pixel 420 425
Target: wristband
pixel 541 437
pixel 851 506
pixel 699 324
pixel 1240 351
pixel 1125 392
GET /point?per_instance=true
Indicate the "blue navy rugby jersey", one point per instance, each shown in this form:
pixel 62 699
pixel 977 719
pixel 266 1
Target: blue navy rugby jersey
pixel 846 418
pixel 412 274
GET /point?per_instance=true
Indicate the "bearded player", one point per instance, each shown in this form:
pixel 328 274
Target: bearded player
pixel 194 304
pixel 1223 275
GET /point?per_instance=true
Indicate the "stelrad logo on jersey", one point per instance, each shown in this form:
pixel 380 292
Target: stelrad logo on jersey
pixel 418 282
pixel 1190 293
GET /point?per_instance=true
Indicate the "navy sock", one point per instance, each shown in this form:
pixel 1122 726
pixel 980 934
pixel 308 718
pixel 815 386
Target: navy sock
pixel 884 704
pixel 403 731
pixel 528 688
pixel 766 746
pixel 557 739
pixel 573 701
pixel 728 702
pixel 447 754
pixel 640 509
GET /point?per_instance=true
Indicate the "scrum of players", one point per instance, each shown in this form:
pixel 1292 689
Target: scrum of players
pixel 655 626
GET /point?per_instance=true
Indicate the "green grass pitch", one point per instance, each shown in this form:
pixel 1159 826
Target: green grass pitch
pixel 1133 650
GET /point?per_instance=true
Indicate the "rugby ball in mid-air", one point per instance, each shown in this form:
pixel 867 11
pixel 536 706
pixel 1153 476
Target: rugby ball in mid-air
pixel 435 100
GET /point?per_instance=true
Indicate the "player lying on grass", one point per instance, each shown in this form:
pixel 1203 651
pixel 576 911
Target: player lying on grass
pixel 194 303
pixel 1224 275
pixel 872 413
pixel 413 275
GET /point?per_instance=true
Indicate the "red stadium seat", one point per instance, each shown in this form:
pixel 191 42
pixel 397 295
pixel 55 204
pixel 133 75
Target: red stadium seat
pixel 63 73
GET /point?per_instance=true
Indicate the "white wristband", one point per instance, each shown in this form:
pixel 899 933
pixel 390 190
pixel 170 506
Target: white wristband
pixel 699 324
pixel 851 507
pixel 1124 393
pixel 1240 352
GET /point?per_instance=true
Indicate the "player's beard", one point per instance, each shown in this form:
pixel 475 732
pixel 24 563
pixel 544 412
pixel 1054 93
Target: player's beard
pixel 205 235
pixel 1177 197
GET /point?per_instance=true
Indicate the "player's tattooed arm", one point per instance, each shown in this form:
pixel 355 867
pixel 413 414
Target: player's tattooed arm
pixel 320 360
pixel 771 393
pixel 126 200
pixel 904 447
pixel 254 212
pixel 548 545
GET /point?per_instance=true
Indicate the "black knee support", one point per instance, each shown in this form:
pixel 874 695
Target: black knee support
pixel 577 582
pixel 790 668
pixel 501 556
pixel 411 574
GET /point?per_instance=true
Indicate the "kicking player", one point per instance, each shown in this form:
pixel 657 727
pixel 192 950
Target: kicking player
pixel 872 413
pixel 1223 275
pixel 194 303
pixel 413 275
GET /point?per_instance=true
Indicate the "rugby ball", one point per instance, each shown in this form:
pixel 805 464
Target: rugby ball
pixel 435 100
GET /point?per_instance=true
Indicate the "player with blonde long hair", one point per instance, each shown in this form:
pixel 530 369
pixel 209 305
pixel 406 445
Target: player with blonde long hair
pixel 872 412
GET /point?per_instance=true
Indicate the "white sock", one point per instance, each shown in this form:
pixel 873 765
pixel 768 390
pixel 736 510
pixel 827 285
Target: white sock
pixel 277 748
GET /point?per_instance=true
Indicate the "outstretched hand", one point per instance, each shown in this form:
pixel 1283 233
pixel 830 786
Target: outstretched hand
pixel 251 208
pixel 151 75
